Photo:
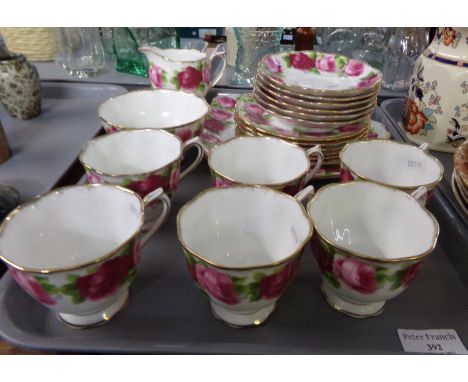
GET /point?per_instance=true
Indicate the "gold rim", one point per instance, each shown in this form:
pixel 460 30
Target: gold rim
pixel 364 256
pixel 293 120
pixel 215 147
pixel 387 141
pixel 344 113
pixel 339 96
pixel 291 97
pixel 107 136
pixel 334 138
pixel 148 49
pixel 121 127
pixel 325 92
pixel 297 252
pixel 298 115
pixel 109 254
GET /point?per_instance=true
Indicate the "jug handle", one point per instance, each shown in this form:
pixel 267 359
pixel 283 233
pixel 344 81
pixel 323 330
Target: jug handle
pixel 220 51
pixel 152 196
pixel 316 150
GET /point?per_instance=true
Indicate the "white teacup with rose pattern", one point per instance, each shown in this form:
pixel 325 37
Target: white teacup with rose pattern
pixel 183 69
pixel 369 244
pixel 174 111
pixel 263 161
pixel 392 164
pixel 76 249
pixel 243 247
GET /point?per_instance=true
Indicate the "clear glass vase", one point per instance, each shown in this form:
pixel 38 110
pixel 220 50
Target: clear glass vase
pixel 80 51
pixel 252 45
pixel 403 48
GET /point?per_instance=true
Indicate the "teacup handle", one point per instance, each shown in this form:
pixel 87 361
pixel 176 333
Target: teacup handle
pixel 306 193
pixel 152 196
pixel 316 150
pixel 419 193
pixel 424 147
pixel 219 52
pixel 187 145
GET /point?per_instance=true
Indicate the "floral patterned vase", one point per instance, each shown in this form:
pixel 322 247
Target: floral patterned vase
pixel 20 87
pixel 436 108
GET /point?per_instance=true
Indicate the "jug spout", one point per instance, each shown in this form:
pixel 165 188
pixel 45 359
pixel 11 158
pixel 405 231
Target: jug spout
pixel 151 52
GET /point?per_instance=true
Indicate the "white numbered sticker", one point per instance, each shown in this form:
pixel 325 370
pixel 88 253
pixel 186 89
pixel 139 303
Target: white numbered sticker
pixel 414 165
pixel 431 341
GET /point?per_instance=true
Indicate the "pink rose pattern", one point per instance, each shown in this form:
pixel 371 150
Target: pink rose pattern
pixel 319 63
pixel 32 286
pixel 206 75
pixel 232 290
pixel 301 61
pixel 364 277
pixel 110 129
pixel 217 284
pixel 346 175
pixel 190 78
pixel 93 178
pixel 273 64
pixel 326 63
pixel 226 101
pixel 214 125
pixel 156 76
pixel 221 115
pixel 357 275
pixel 184 133
pixel 354 68
pixel 220 182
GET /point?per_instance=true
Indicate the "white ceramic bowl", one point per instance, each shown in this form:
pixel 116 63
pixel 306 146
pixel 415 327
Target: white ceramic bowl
pixel 178 112
pixel 76 249
pixel 369 244
pixel 243 246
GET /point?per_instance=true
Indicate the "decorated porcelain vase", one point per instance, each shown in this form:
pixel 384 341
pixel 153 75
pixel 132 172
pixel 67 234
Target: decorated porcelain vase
pixel 436 108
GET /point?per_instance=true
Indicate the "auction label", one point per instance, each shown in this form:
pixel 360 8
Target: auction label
pixel 431 341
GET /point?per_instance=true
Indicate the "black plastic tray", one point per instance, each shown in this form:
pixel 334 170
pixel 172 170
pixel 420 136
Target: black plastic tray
pixel 168 315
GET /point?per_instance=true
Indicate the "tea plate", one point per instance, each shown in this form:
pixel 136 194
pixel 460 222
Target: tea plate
pixel 320 73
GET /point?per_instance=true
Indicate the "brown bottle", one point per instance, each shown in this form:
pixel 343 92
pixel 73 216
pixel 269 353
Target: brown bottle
pixel 304 39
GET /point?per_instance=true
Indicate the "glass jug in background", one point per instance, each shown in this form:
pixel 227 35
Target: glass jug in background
pixel 403 48
pixel 252 45
pixel 126 41
pixel 370 46
pixel 79 51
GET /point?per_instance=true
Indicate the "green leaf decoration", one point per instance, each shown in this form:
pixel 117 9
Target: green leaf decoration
pixel 286 60
pixel 199 66
pixel 72 278
pixel 202 291
pixel 340 62
pixel 253 291
pixel 77 299
pixel 166 172
pixel 68 289
pixel 130 276
pixel 126 250
pixel 90 271
pixel 190 259
pixel 240 289
pixel 379 268
pixel 41 278
pixel 396 279
pixel 380 278
pixel 50 289
pixel 201 86
pixel 313 55
pixel 314 70
pixel 126 182
pixel 332 280
pixel 258 276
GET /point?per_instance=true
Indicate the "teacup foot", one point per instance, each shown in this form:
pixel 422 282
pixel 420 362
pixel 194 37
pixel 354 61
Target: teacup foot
pixel 96 319
pixel 242 320
pixel 349 308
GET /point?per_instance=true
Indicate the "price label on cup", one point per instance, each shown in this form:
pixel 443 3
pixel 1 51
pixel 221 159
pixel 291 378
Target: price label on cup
pixel 431 341
pixel 412 164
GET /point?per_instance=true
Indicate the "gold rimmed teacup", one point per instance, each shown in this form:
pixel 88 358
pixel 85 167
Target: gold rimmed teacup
pixel 247 249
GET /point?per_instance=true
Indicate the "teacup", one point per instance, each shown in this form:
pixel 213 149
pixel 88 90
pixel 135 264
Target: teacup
pixel 243 247
pixel 141 160
pixel 393 164
pixel 369 244
pixel 76 249
pixel 174 111
pixel 264 161
pixel 182 69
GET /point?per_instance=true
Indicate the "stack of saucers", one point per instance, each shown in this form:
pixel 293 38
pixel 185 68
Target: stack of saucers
pixel 311 98
pixel 460 176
